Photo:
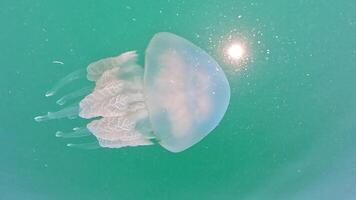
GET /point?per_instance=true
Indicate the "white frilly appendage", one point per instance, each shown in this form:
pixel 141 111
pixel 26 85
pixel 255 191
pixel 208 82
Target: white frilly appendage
pixel 118 99
pixel 117 104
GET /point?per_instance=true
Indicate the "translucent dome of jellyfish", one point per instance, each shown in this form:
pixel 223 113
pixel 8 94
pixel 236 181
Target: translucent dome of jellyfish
pixel 177 98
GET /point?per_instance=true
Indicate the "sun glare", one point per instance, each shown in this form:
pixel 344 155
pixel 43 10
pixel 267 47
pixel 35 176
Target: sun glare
pixel 235 51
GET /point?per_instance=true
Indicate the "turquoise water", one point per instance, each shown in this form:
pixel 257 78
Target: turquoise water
pixel 289 131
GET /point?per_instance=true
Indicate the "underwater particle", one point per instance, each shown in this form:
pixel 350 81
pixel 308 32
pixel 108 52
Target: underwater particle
pixel 177 99
pixel 58 62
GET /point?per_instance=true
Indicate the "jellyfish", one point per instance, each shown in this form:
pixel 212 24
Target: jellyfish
pixel 178 97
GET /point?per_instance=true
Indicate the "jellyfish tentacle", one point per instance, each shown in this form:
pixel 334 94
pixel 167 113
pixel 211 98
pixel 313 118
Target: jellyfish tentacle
pixel 86 146
pixel 73 95
pixel 77 132
pixel 68 112
pixel 64 81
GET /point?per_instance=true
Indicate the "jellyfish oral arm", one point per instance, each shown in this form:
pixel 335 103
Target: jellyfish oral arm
pixel 116 132
pixel 96 69
pixel 118 101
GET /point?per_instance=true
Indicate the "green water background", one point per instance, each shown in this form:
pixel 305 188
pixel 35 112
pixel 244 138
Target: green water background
pixel 289 132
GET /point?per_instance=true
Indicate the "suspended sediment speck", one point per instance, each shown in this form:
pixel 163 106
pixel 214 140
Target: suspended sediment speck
pixel 58 62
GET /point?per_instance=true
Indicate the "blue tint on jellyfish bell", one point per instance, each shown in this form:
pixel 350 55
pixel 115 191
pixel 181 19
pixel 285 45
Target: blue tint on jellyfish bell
pixel 177 99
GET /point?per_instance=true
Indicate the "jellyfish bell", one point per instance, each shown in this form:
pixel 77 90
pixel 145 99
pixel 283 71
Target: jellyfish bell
pixel 187 92
pixel 177 99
